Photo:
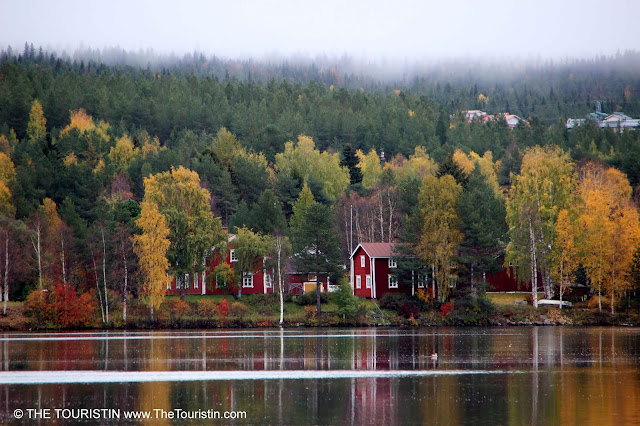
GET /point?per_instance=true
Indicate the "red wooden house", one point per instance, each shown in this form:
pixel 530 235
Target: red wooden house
pixel 372 271
pixel 260 282
pixel 297 282
pixel 372 274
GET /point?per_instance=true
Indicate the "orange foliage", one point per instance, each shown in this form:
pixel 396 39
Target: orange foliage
pixel 79 120
pixel 207 308
pixel 223 308
pixel 62 307
pixel 178 307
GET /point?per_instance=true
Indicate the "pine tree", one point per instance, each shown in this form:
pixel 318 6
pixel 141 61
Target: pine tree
pixel 315 243
pixel 350 161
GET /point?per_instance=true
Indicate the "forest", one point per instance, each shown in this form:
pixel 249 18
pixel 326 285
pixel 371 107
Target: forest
pixel 114 175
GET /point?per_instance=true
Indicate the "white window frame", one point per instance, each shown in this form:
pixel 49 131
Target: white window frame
pixel 393 281
pixel 247 280
pixel 218 285
pixel 358 281
pixel 421 278
pixel 195 280
pixel 368 281
pixel 392 263
pixel 268 280
pixel 187 282
pixel 232 256
pixel 168 282
pixel 362 261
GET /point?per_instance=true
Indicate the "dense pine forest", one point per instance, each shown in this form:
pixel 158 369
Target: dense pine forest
pixel 101 158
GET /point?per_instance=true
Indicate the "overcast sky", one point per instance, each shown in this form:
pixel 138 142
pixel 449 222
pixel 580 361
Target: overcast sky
pixel 412 30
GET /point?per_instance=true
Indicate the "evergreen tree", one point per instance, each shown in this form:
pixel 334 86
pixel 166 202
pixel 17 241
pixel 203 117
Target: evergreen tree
pixel 315 243
pixel 267 216
pixel 350 161
pixel 482 222
pixel 450 167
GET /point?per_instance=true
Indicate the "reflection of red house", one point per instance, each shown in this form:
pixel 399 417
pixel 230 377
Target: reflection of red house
pixel 260 282
pixel 372 270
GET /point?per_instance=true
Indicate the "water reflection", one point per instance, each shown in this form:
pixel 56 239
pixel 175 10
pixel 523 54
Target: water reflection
pixel 361 376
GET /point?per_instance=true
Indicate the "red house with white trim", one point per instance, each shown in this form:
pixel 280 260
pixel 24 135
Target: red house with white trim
pixel 372 271
pixel 260 282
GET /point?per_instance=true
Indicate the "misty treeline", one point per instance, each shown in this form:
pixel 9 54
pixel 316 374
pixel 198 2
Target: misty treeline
pixel 77 140
pixel 294 96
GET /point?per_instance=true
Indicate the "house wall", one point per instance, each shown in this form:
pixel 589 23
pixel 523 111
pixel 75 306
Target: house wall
pixel 382 279
pixel 209 275
pixel 295 282
pixel 505 280
pixel 362 272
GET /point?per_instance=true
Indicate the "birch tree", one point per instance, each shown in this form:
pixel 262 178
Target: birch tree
pixel 440 237
pixel 151 247
pixel 543 188
pixel 194 232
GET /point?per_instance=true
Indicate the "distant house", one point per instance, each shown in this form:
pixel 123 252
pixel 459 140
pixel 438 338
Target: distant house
pixel 617 120
pixel 512 120
pixel 476 114
pixel 206 282
pixel 372 271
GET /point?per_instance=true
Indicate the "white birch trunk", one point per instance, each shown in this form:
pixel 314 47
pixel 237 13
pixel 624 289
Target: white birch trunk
pixel 104 275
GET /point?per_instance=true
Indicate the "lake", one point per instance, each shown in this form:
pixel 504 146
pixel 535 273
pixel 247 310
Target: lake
pixel 511 375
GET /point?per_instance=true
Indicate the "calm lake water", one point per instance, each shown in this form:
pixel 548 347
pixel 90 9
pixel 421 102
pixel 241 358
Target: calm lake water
pixel 519 375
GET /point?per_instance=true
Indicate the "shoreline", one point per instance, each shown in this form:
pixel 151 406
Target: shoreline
pixel 517 316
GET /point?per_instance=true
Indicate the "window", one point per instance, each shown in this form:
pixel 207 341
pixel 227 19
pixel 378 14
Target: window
pixel 393 263
pixel 268 280
pixel 421 280
pixel 247 279
pixel 393 281
pixel 362 260
pixel 232 256
pixel 368 281
pixel 195 280
pixel 358 281
pixel 187 282
pixel 168 282
pixel 218 281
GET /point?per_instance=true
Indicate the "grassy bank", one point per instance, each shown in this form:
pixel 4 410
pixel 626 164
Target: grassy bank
pixel 212 311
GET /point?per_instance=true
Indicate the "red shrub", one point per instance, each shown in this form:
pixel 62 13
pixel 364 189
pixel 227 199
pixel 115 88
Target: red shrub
pixel 446 308
pixel 62 307
pixel 223 308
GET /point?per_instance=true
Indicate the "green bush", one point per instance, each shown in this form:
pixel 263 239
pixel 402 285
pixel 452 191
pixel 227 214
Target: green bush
pixel 393 301
pixel 310 298
pixel 349 306
pixel 471 309
pixel 239 310
pixel 270 300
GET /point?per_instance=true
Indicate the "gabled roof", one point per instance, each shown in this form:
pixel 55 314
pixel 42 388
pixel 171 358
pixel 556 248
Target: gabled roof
pixel 376 249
